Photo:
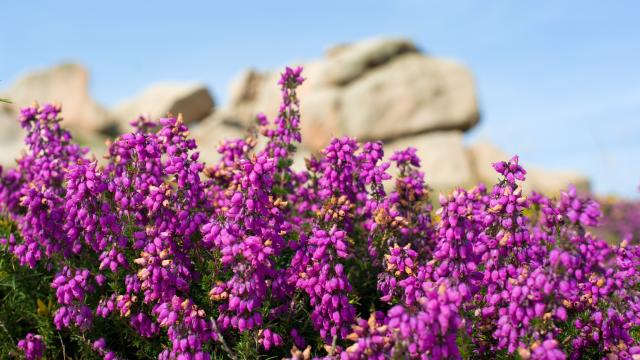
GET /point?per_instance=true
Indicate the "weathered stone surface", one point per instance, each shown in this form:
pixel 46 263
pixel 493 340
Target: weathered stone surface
pixel 375 89
pixel 444 159
pixel 244 92
pixel 321 119
pixel 267 101
pixel 254 92
pixel 348 62
pixel 245 87
pixel 549 182
pixel 67 84
pixel 341 65
pixel 210 133
pixel 193 101
pixel 412 94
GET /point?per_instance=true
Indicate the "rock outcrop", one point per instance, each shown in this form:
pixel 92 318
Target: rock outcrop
pixel 443 158
pixel 384 89
pixel 210 133
pixel 193 101
pixel 377 89
pixel 67 84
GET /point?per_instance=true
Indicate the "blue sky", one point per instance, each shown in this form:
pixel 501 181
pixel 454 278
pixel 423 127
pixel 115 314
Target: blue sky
pixel 559 82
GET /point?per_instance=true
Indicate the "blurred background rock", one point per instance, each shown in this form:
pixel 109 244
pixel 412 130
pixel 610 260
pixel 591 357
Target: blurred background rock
pixel 377 89
pixel 385 88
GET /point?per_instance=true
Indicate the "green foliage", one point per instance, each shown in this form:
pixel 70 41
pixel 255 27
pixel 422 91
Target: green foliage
pixel 27 304
pixel 26 301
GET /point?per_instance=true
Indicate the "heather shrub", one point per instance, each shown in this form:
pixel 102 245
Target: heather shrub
pixel 153 254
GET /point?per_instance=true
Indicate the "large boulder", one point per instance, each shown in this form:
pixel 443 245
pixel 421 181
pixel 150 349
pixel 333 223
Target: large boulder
pixel 549 182
pixel 211 132
pixel 444 159
pixel 345 63
pixel 379 89
pixel 12 139
pixel 321 118
pixel 341 65
pixel 193 101
pixel 253 92
pixel 67 84
pixel 245 88
pixel 410 95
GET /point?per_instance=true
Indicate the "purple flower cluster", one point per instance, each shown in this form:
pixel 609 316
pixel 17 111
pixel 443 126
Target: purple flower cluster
pixel 247 257
pixel 100 347
pixel 324 280
pixel 38 184
pixel 579 211
pixel 71 289
pixel 427 330
pixel 33 346
pixel 405 215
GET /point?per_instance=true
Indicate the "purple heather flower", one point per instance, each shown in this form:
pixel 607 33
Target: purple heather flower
pixel 33 346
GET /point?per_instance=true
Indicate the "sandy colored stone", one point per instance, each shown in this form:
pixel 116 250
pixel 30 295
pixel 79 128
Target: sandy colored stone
pixel 388 90
pixel 412 94
pixel 211 132
pixel 193 101
pixel 68 85
pixel 321 118
pixel 345 63
pixel 444 159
